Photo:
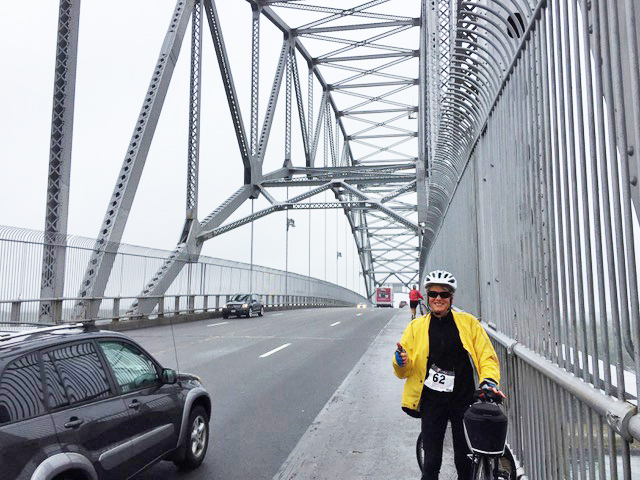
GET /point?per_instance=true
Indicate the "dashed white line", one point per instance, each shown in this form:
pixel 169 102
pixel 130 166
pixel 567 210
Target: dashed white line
pixel 276 314
pixel 214 324
pixel 358 314
pixel 275 350
pixel 334 324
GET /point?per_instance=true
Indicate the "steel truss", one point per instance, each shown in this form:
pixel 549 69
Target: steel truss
pixel 370 120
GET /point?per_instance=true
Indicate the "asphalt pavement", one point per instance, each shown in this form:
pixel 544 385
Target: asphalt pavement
pixel 362 433
pixel 298 394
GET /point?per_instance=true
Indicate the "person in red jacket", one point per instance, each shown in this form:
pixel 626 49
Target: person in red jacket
pixel 414 299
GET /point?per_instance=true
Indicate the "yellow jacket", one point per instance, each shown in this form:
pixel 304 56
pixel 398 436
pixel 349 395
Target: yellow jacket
pixel 415 340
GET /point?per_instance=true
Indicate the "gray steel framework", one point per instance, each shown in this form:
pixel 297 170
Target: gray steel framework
pixel 57 207
pixel 375 140
pixel 539 129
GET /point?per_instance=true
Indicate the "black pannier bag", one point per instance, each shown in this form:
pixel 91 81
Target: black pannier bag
pixel 485 428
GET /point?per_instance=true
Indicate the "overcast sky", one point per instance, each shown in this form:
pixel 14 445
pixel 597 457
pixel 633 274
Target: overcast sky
pixel 118 47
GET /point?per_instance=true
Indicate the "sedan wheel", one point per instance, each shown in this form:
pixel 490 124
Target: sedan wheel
pixel 250 314
pixel 261 312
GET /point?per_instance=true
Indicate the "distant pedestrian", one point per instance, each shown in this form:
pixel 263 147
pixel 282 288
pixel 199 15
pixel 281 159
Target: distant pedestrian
pixel 414 300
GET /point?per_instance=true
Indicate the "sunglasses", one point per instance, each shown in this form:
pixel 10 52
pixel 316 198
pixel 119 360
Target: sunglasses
pixel 440 294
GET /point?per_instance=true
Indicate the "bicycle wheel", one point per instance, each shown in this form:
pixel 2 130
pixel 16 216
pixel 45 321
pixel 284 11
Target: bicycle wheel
pixel 483 469
pixel 507 466
pixel 420 452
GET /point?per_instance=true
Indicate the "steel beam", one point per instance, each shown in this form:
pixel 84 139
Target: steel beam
pixel 103 256
pixel 229 87
pixel 57 207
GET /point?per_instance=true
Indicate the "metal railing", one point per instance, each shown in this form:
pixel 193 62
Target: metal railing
pixel 201 286
pixel 549 162
pixel 111 308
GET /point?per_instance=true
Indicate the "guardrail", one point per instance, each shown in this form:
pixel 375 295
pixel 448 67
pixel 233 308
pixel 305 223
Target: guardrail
pixel 200 286
pixel 117 308
pixel 559 425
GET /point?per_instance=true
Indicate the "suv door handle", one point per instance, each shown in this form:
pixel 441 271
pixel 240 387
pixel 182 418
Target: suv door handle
pixel 74 422
pixel 135 404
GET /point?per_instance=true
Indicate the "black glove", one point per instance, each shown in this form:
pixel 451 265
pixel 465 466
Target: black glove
pixel 488 392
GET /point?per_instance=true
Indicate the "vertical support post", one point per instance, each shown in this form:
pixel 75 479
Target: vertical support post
pixel 15 311
pixel 116 310
pixel 286 258
pixel 255 77
pixel 57 207
pixel 310 111
pixel 161 307
pixel 423 146
pixel 309 201
pixel 288 85
pixel 194 112
pixel 251 264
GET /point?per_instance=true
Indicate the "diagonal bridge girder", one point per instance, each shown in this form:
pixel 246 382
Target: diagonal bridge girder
pixel 372 171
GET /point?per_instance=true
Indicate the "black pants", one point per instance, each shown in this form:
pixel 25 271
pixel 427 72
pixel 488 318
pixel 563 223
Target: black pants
pixel 435 416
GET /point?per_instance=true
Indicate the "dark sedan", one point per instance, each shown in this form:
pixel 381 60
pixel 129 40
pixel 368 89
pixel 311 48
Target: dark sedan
pixel 241 304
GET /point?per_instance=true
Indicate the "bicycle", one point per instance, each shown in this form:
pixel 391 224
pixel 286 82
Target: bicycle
pixel 493 463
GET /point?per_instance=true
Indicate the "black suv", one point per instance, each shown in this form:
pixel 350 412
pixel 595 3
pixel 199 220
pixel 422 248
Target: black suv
pixel 243 304
pixel 77 403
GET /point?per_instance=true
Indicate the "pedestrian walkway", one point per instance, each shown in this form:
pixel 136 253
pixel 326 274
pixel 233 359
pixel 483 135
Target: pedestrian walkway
pixel 362 433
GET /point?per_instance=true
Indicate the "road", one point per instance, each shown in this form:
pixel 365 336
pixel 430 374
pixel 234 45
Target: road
pixel 269 377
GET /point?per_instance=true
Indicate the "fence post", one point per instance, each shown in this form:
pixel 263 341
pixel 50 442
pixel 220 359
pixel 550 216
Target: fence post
pixel 15 311
pixel 56 311
pixel 92 302
pixel 161 307
pixel 205 303
pixel 191 302
pixel 116 310
pixel 176 307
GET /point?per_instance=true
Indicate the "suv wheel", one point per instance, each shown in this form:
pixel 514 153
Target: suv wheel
pixel 250 314
pixel 197 439
pixel 261 312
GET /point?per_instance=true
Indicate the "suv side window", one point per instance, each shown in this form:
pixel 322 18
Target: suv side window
pixel 74 374
pixel 21 394
pixel 131 367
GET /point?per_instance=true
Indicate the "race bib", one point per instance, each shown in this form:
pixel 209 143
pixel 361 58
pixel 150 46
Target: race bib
pixel 440 380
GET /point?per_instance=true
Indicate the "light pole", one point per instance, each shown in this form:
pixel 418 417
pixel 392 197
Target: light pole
pixel 290 223
pixel 251 264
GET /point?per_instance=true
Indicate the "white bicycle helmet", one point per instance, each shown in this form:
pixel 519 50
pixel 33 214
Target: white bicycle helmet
pixel 441 277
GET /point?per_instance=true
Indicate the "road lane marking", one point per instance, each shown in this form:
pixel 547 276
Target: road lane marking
pixel 334 324
pixel 358 314
pixel 214 324
pixel 276 314
pixel 275 350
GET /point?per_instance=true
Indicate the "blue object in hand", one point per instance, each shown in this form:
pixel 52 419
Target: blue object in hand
pixel 399 359
pixel 399 350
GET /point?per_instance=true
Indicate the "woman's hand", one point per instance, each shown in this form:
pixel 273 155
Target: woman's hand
pixel 401 355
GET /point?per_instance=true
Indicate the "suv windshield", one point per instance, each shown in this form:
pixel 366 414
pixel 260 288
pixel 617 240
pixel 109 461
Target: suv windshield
pixel 240 298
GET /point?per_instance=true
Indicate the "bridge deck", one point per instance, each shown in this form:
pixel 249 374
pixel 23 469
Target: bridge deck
pixel 361 433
